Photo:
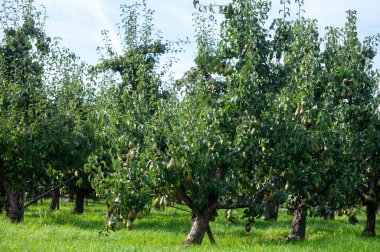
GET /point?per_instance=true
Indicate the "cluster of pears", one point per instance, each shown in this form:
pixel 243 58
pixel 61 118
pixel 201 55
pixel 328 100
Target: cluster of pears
pixel 300 110
pixel 131 216
pixel 161 202
pixel 174 164
pixel 224 68
pixel 255 126
pixel 116 222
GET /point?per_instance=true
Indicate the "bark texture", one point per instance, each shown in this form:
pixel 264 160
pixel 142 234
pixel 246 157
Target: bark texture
pixel 199 227
pixel 79 201
pixel 371 220
pixel 55 200
pixel 298 231
pixel 14 203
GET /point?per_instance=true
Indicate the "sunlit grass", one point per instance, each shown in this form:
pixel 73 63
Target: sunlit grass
pixel 43 230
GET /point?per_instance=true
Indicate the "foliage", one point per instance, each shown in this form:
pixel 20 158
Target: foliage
pixel 270 111
pixel 120 172
pixel 24 54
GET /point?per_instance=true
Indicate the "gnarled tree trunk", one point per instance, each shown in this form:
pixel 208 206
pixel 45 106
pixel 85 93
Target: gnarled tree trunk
pixel 14 203
pixel 79 201
pixel 371 220
pixel 271 210
pixel 200 226
pixel 298 231
pixel 55 200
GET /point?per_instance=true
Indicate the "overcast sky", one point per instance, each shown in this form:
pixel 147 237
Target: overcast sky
pixel 79 22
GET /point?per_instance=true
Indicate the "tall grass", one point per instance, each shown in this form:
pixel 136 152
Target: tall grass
pixel 60 230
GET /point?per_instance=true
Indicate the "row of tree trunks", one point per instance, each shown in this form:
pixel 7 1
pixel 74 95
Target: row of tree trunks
pixel 298 231
pixel 14 206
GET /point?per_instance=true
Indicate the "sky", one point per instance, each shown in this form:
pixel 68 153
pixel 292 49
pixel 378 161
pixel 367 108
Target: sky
pixel 79 22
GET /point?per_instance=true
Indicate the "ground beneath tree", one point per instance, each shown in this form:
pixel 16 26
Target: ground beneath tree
pixel 165 231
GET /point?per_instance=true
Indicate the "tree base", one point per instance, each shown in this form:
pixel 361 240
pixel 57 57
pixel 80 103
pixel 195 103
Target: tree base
pixel 200 226
pixel 14 203
pixel 368 233
pixel 292 237
pixel 298 231
pixel 55 200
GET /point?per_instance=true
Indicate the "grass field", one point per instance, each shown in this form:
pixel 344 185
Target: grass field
pixel 164 231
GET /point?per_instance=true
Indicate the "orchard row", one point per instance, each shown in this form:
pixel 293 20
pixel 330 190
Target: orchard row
pixel 268 116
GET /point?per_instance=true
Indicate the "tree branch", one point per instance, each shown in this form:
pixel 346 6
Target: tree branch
pixel 46 193
pixel 184 196
pixel 256 199
pixel 209 234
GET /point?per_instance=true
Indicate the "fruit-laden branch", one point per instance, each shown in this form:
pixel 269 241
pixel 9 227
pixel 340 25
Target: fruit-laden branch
pixel 256 199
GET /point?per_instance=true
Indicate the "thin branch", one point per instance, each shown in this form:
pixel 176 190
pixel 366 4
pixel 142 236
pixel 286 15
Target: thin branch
pixel 181 209
pixel 184 196
pixel 209 234
pixel 46 193
pixel 366 160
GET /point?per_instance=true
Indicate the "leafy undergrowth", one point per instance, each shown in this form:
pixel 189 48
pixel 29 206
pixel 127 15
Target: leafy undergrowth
pixel 43 230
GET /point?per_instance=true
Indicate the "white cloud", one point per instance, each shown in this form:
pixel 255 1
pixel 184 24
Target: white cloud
pixel 79 23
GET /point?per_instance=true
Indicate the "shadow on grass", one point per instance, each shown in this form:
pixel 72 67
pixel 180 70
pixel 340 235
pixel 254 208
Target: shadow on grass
pixel 94 219
pixel 172 223
pixel 88 220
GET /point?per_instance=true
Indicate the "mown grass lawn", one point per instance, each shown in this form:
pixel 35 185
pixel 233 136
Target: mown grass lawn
pixel 164 231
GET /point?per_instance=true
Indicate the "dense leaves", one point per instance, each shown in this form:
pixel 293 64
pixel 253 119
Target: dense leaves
pixel 271 114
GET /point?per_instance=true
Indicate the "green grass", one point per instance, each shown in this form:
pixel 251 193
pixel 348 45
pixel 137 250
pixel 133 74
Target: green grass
pixel 164 231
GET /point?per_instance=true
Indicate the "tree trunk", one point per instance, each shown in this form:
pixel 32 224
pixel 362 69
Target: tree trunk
pixel 271 211
pixel 55 200
pixel 299 222
pixel 371 220
pixel 2 199
pixel 14 203
pixel 79 201
pixel 331 214
pixel 199 227
pixel 69 198
pixel 108 212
